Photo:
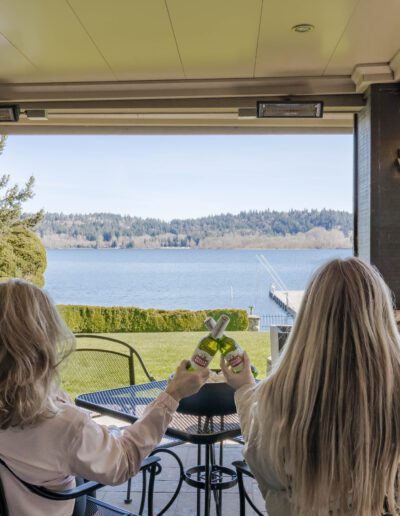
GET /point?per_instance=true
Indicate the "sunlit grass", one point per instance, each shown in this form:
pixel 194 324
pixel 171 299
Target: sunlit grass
pixel 161 352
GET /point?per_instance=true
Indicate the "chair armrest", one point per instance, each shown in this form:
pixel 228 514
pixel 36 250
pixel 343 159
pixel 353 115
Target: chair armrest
pixel 85 488
pixel 76 492
pixel 243 468
pixel 68 494
pixel 150 461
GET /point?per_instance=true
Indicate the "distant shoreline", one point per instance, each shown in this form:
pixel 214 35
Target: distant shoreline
pixel 194 248
pixel 294 229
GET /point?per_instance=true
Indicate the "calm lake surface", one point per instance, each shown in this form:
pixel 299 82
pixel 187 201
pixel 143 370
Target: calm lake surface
pixel 178 278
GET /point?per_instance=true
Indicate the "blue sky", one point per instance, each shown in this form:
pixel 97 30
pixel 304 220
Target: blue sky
pixel 182 176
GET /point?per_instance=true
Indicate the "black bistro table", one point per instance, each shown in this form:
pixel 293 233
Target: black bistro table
pixel 129 403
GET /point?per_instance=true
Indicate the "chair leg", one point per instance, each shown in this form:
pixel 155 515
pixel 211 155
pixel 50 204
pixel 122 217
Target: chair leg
pixel 244 495
pixel 144 489
pixel 242 499
pixel 154 470
pixel 157 452
pixel 128 498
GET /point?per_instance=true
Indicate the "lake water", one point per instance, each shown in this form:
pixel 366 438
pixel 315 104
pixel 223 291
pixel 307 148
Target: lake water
pixel 178 278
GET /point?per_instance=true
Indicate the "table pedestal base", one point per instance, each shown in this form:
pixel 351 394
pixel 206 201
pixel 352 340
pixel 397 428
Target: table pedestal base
pixel 220 477
pixel 211 477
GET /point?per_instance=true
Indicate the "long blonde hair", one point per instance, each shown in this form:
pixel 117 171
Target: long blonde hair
pixel 335 397
pixel 33 342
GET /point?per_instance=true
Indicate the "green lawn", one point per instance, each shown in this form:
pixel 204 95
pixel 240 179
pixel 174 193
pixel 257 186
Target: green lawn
pixel 161 353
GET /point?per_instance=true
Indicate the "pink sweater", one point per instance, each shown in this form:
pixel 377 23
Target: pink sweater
pixel 69 444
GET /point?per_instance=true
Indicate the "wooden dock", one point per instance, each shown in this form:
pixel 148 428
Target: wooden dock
pixel 289 300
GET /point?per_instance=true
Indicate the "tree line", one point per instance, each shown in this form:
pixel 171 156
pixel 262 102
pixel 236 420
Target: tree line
pixel 112 230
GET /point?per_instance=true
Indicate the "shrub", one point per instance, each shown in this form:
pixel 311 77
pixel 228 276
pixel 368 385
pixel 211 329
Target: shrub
pixel 119 319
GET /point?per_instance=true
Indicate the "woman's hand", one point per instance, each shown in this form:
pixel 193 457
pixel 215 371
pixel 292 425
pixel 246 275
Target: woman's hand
pixel 185 383
pixel 237 380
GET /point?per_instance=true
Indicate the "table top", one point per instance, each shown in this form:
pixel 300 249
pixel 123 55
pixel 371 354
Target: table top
pixel 129 403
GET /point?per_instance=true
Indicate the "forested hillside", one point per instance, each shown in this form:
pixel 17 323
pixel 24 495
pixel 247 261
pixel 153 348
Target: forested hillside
pixel 306 228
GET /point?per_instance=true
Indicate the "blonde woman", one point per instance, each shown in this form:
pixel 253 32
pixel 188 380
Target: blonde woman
pixel 323 431
pixel 45 439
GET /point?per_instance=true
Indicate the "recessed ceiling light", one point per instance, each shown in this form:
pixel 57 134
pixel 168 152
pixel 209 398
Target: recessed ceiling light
pixel 303 27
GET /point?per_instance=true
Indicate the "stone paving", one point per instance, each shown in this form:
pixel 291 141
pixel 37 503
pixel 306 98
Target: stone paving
pixel 185 505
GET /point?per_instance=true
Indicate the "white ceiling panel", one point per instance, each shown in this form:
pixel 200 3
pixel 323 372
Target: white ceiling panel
pixel 14 66
pixel 284 52
pixel 372 36
pixel 49 34
pixel 135 37
pixel 216 38
pixel 68 41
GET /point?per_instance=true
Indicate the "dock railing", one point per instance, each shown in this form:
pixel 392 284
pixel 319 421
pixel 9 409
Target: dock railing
pixel 268 320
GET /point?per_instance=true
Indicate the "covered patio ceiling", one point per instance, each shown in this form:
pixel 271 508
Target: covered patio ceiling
pixel 182 66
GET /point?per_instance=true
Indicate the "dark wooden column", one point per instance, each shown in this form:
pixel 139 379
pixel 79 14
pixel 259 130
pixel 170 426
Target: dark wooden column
pixel 377 183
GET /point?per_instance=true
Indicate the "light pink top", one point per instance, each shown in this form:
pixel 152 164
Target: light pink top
pixel 70 443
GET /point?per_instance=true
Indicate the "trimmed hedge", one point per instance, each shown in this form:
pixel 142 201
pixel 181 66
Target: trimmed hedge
pixel 120 319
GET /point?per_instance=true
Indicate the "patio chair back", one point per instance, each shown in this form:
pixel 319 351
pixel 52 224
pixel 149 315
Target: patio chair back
pixel 92 505
pixel 100 362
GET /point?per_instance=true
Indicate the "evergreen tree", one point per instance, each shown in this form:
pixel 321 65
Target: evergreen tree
pixel 22 254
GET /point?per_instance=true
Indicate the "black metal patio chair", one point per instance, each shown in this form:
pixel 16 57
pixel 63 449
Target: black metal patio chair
pixel 93 505
pixel 112 363
pixel 103 361
pixel 242 469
